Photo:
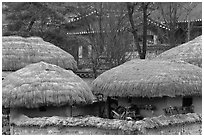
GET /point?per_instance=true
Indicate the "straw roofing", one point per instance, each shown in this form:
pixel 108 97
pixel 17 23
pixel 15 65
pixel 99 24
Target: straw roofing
pixel 5 73
pixel 44 84
pixel 190 52
pixel 17 52
pixel 150 78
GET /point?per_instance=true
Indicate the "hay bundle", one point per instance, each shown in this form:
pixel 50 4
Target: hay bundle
pixel 190 52
pixel 44 84
pixel 150 78
pixel 17 52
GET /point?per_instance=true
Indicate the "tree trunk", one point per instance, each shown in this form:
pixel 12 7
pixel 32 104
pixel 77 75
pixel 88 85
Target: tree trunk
pixel 173 21
pixel 75 53
pixel 144 48
pixel 189 29
pixel 130 9
pixel 100 29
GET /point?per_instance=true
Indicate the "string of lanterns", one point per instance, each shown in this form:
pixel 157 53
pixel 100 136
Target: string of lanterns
pixel 149 21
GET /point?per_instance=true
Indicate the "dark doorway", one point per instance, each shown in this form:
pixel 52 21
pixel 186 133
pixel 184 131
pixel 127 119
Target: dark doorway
pixel 112 105
pixel 187 101
pixel 42 109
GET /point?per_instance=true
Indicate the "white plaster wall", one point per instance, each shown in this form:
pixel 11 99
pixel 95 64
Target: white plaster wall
pixel 85 110
pixel 123 102
pixel 64 111
pixel 17 113
pixel 197 103
pixel 158 102
pixel 174 101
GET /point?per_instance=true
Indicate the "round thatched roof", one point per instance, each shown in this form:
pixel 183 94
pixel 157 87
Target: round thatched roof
pixel 44 84
pixel 5 73
pixel 150 78
pixel 190 52
pixel 17 52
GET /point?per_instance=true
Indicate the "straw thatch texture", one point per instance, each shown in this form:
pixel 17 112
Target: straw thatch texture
pixel 190 52
pixel 17 52
pixel 44 84
pixel 150 78
pixel 5 73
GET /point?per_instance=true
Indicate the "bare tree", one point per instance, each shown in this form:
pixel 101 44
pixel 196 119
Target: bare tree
pixel 142 9
pixel 118 40
pixel 188 8
pixel 109 37
pixel 144 6
pixel 170 13
pixel 130 8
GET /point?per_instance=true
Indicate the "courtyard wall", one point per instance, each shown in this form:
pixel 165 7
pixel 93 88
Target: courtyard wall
pixel 188 124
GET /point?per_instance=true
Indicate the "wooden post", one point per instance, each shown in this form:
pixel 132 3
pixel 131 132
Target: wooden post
pixel 71 111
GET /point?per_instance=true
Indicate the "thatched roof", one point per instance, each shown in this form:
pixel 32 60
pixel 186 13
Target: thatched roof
pixel 190 52
pixel 17 52
pixel 5 73
pixel 150 78
pixel 44 84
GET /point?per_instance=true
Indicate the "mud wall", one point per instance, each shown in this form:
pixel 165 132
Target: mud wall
pixel 165 125
pixel 197 103
pixel 64 111
pixel 160 104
